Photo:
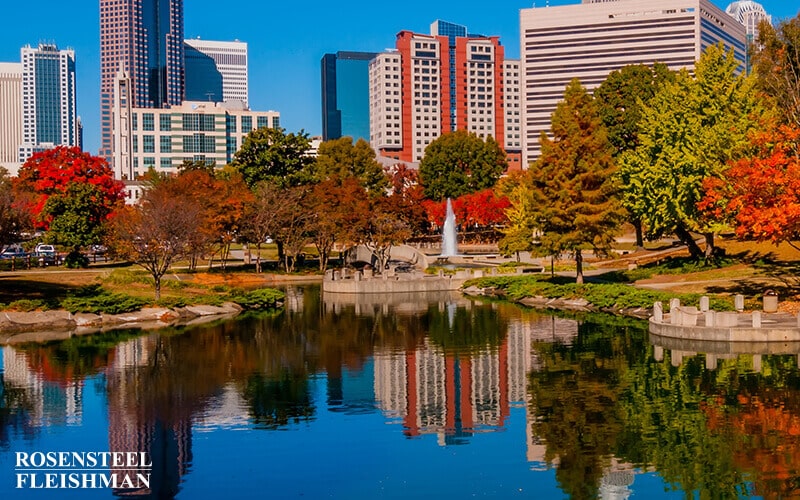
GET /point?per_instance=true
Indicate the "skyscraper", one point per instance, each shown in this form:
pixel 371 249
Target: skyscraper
pixel 216 71
pixel 750 14
pixel 590 40
pixel 145 39
pixel 451 31
pixel 49 116
pixel 345 95
pixel 410 94
pixel 10 115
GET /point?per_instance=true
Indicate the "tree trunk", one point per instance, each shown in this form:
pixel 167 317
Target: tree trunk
pixel 578 267
pixel 517 256
pixel 258 257
pixel 687 240
pixel 552 266
pixel 157 282
pixel 637 226
pixel 709 255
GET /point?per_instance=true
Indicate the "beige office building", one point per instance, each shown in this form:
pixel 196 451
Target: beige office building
pixel 10 115
pixel 589 40
pixel 164 138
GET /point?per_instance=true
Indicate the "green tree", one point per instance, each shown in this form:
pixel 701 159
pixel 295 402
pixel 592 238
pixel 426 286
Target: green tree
pixel 573 196
pixel 77 217
pixel 690 130
pixel 272 154
pixel 620 99
pixel 341 159
pixel 459 163
pixel 776 65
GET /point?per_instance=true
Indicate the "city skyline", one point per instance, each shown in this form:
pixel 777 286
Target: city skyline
pixel 285 49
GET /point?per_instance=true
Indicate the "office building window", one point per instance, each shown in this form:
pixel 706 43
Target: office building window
pixel 148 122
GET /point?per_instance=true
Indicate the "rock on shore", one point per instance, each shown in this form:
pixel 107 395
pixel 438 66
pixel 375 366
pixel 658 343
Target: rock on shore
pixel 42 326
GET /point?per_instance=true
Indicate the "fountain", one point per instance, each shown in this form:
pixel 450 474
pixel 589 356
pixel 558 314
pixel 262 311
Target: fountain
pixel 449 236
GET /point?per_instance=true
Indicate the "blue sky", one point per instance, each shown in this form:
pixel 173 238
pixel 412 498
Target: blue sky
pixel 286 40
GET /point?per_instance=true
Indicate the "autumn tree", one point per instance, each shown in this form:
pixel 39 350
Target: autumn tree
pixel 776 65
pixel 383 230
pixel 260 220
pixel 52 171
pixel 156 232
pixel 689 131
pixel 341 159
pixel 573 197
pixel 460 162
pixel 271 154
pixel 760 194
pixel 406 197
pixel 620 99
pixel 521 230
pixel 340 211
pixel 294 220
pixel 14 217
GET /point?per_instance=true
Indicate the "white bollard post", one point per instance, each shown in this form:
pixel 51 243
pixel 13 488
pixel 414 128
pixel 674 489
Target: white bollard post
pixel 658 312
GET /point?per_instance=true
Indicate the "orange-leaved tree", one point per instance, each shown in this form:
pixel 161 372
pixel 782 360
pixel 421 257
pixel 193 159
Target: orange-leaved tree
pixel 760 195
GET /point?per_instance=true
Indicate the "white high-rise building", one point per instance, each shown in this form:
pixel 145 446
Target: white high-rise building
pixel 513 110
pixel 590 40
pixel 750 14
pixel 216 71
pixel 164 138
pixel 10 115
pixel 48 99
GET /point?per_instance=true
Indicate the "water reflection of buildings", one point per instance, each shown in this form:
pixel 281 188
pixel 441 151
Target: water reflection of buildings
pixel 456 395
pixel 53 401
pixel 133 427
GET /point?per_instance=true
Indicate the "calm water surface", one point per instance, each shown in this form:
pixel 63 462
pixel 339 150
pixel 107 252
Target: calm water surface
pixel 410 397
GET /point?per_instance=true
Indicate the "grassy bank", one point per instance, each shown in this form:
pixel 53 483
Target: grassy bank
pixel 120 290
pixel 600 295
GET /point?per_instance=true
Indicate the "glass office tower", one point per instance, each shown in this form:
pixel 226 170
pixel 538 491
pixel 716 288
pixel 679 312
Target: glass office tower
pixel 345 95
pixel 145 39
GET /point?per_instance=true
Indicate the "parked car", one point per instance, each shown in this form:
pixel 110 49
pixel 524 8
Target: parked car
pixel 46 254
pixel 13 252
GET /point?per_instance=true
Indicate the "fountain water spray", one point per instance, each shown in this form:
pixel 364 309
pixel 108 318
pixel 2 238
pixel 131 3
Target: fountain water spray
pixel 449 236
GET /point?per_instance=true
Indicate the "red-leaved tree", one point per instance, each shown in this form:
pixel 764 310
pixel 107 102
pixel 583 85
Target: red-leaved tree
pixel 51 172
pixel 760 195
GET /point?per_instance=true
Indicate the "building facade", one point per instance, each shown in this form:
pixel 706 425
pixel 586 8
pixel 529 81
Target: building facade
pixel 194 131
pixel 145 39
pixel 590 40
pixel 49 113
pixel 345 95
pixel 10 115
pixel 410 93
pixel 216 71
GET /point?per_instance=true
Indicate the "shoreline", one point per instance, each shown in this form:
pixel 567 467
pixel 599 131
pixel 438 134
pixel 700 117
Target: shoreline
pixel 46 326
pixel 560 304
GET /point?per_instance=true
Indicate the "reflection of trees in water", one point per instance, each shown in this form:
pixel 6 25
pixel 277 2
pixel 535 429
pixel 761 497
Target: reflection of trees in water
pixel 575 398
pixel 278 402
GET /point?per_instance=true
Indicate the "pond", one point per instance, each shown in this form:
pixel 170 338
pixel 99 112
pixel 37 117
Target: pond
pixel 400 397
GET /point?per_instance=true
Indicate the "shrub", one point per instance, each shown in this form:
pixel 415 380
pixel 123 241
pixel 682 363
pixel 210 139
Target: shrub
pixel 261 298
pixel 172 302
pixel 28 305
pixel 102 302
pixel 76 260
